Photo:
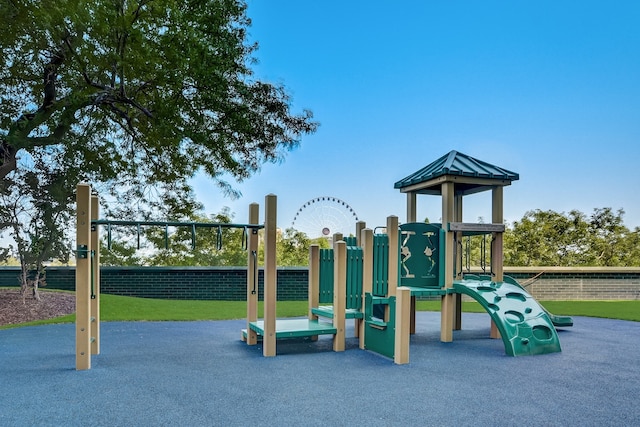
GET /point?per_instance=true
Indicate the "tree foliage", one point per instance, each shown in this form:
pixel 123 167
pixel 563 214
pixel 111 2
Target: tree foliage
pixel 573 239
pixel 36 213
pixel 136 95
pixel 152 89
pixel 548 238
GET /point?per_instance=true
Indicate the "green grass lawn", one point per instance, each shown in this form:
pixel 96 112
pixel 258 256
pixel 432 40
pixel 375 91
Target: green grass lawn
pixel 119 308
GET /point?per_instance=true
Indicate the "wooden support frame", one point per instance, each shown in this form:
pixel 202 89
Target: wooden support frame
pixel 83 277
pixel 87 283
pixel 94 248
pixel 403 326
pixel 252 274
pixel 411 207
pixel 497 258
pixel 457 304
pixel 360 225
pixel 447 310
pixel 339 293
pixel 270 276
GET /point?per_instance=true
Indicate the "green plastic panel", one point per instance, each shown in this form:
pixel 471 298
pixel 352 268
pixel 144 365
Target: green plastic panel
pixel 380 264
pixel 422 255
pixel 354 277
pixel 379 335
pixel 350 240
pixel 326 276
pixel 524 325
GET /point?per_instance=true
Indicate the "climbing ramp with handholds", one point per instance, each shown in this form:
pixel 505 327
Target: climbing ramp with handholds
pixel 558 321
pixel 524 325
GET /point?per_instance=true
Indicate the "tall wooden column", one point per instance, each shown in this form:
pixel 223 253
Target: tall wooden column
pixel 447 310
pixel 339 293
pixel 403 326
pixel 252 273
pixel 459 256
pixel 497 258
pixel 270 276
pixel 94 249
pixel 411 207
pixel 83 277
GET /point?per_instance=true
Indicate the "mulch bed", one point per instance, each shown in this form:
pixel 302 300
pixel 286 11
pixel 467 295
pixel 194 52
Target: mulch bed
pixel 13 309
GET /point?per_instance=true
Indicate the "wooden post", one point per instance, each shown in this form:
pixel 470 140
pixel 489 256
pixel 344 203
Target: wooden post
pixel 497 217
pixel 339 293
pixel 336 238
pixel 95 265
pixel 360 225
pixel 457 306
pixel 83 277
pixel 447 310
pixel 411 207
pixel 403 326
pixel 366 237
pixel 252 273
pixel 270 276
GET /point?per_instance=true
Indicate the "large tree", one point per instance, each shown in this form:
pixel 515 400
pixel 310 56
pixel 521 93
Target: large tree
pixel 157 89
pixel 138 94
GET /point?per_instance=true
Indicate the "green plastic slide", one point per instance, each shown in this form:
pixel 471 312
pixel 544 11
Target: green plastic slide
pixel 524 325
pixel 558 321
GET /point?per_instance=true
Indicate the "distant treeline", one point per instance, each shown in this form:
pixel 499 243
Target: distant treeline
pixel 540 238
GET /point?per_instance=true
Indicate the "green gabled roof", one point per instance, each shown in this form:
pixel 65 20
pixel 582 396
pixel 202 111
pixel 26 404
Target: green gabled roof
pixel 458 164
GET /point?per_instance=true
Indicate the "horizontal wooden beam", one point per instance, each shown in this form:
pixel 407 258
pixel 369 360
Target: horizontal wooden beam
pixel 476 227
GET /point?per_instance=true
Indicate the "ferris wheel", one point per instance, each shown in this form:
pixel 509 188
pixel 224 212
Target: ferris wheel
pixel 324 216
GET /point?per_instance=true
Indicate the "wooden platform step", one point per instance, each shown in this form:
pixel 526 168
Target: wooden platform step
pixel 292 328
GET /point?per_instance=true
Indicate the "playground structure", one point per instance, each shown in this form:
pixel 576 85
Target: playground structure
pixel 376 278
pixel 372 278
pixel 88 262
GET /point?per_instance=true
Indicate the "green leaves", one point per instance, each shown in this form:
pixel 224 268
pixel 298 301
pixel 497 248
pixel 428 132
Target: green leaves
pixel 168 82
pixel 136 97
pixel 548 238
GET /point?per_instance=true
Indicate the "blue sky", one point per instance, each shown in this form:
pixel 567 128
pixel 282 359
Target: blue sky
pixel 547 89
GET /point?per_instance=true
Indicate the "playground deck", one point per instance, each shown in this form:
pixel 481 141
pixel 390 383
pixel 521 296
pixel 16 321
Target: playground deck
pixel 294 328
